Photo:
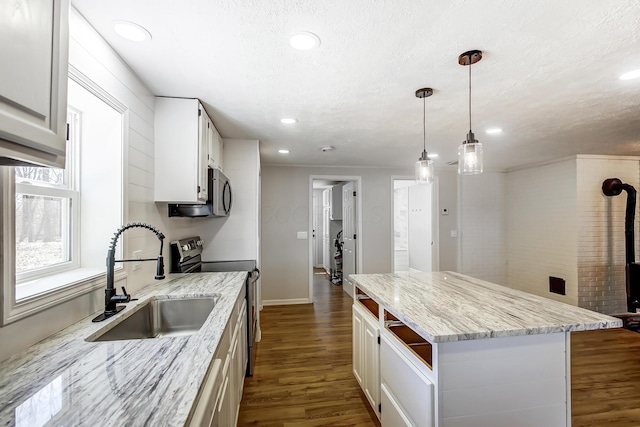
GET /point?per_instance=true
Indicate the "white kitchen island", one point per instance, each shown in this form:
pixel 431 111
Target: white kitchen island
pixel 445 349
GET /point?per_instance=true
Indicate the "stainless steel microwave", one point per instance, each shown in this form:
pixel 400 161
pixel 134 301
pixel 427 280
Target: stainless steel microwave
pixel 219 200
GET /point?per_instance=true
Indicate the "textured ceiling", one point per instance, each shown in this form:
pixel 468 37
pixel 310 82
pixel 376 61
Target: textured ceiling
pixel 549 75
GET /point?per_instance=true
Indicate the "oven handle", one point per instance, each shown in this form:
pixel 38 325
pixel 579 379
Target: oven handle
pixel 194 268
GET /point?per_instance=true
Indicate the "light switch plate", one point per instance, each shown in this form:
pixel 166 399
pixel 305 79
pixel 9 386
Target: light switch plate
pixel 454 233
pixel 302 235
pixel 137 255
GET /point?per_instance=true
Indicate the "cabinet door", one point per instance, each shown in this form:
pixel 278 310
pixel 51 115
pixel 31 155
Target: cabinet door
pixel 206 406
pixel 234 380
pixel 210 144
pixel 357 346
pixel 203 151
pixel 33 87
pixel 336 202
pixel 371 355
pixel 220 152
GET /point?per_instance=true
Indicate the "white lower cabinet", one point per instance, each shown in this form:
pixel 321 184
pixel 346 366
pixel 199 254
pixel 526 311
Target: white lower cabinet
pixel 371 383
pixel 358 360
pixel 366 354
pixel 218 403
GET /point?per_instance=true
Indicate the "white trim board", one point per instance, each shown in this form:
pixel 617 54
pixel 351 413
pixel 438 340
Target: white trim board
pixel 292 301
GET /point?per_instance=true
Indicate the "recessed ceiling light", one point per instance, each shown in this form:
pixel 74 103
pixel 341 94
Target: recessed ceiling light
pixel 283 151
pixel 131 31
pixel 630 75
pixel 304 41
pixel 288 121
pixel 493 131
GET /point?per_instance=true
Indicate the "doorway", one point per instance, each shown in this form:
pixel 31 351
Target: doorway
pixel 415 226
pixel 334 249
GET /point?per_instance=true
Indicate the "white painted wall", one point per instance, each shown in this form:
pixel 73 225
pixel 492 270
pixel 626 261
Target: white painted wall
pixel 235 237
pixel 482 233
pixel 285 204
pixel 600 228
pixel 560 224
pixel 541 229
pixel 448 199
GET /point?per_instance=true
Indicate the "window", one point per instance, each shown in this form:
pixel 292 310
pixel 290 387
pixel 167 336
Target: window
pixel 46 209
pixel 59 221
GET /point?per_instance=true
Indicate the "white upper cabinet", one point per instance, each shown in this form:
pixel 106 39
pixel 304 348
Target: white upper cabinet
pixel 181 151
pixel 336 202
pixel 33 87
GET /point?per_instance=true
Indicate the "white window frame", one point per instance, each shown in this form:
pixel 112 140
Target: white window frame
pixel 71 283
pixel 71 219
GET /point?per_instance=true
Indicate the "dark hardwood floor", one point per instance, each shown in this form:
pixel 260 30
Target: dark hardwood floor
pixel 303 374
pixel 605 378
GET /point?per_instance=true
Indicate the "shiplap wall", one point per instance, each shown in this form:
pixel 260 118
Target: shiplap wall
pixel 541 229
pixel 481 203
pixel 600 243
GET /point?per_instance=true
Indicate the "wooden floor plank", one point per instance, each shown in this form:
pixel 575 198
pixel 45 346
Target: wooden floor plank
pixel 303 375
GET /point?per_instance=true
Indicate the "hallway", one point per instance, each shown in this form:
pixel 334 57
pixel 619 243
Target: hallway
pixel 303 374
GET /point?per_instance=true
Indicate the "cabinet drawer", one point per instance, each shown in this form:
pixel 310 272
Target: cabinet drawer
pixel 410 389
pixel 391 412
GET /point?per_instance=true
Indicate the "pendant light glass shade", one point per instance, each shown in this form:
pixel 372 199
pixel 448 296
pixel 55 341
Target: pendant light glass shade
pixel 424 169
pixel 470 161
pixel 470 158
pixel 424 165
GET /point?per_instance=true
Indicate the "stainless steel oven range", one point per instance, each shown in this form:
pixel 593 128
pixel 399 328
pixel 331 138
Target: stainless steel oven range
pixel 186 257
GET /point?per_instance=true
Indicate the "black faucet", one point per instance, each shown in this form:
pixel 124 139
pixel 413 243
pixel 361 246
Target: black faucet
pixel 111 298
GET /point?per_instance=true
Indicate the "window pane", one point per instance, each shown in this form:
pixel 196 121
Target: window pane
pixel 45 175
pixel 42 231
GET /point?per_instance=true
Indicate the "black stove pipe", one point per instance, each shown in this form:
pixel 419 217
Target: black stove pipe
pixel 613 187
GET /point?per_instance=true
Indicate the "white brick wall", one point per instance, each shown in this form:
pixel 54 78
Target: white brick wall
pixel 541 229
pixel 481 224
pixel 600 220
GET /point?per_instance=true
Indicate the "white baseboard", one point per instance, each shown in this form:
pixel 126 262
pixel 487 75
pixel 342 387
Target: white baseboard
pixel 286 301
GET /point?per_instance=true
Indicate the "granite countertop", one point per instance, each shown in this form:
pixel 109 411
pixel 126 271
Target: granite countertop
pixel 447 306
pixel 67 381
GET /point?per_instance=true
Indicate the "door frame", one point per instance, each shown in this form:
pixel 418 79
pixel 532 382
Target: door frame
pixel 344 178
pixel 435 221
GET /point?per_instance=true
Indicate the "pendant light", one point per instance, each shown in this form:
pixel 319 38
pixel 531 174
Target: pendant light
pixel 424 165
pixel 470 152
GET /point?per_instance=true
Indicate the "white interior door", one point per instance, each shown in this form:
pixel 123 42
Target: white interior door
pixel 317 229
pixel 349 234
pixel 326 246
pixel 420 239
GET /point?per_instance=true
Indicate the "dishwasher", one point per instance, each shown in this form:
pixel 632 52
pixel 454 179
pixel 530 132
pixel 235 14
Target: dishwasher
pixel 186 257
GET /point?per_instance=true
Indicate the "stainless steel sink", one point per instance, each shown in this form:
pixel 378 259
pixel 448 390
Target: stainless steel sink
pixel 161 317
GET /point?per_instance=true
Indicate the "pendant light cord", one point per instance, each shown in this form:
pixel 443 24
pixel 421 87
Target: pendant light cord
pixel 424 124
pixel 469 93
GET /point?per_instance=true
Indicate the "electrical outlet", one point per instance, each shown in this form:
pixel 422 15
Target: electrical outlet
pixel 137 255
